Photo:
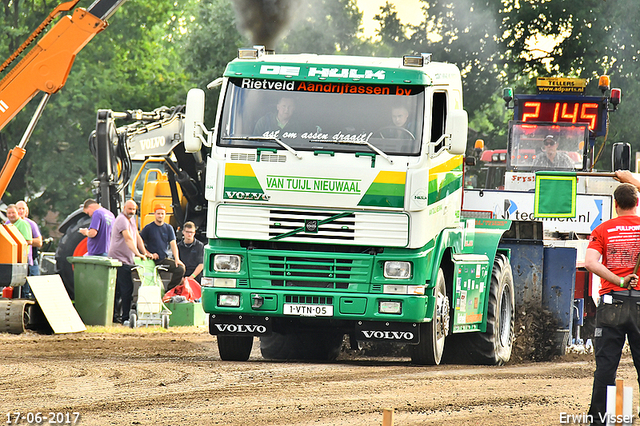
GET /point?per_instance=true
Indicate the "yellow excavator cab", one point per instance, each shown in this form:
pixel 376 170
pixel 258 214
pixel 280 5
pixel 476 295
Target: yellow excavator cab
pixel 157 191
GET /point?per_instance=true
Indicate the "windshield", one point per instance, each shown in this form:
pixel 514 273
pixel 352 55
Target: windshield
pixel 547 146
pixel 310 116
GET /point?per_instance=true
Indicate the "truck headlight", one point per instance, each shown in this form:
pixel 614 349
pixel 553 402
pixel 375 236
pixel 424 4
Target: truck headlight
pixel 397 270
pixel 390 307
pixel 226 263
pixel 229 300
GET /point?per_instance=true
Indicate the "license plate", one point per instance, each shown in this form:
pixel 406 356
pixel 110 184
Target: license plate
pixel 308 310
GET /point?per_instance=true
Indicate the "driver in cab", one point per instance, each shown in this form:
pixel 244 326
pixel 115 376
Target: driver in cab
pixel 551 158
pixel 402 127
pixel 282 119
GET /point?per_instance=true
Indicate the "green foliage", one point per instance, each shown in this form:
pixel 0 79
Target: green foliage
pixel 130 65
pixel 594 38
pixel 473 46
pixel 492 42
pixel 210 42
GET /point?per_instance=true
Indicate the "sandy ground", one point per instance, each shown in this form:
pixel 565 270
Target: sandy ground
pixel 119 376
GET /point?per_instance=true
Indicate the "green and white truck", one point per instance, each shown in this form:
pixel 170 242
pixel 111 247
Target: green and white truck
pixel 342 221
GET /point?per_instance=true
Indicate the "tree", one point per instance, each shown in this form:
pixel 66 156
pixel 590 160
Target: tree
pixel 211 40
pixel 463 32
pixel 500 43
pixel 130 65
pixel 592 38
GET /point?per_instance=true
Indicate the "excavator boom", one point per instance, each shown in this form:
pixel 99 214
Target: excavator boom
pixel 46 66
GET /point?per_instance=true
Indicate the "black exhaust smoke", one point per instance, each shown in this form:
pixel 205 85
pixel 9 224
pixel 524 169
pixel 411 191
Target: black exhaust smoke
pixel 264 21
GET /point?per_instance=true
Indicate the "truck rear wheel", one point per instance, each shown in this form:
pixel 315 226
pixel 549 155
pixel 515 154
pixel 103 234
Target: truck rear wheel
pixel 317 346
pixel 433 334
pixel 235 348
pixel 494 346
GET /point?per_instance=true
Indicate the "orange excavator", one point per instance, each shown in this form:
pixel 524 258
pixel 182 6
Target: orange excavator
pixel 44 68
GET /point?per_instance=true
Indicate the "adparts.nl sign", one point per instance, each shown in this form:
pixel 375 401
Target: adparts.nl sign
pixel 591 210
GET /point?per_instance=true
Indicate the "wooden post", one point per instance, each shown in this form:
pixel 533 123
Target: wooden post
pixel 619 403
pixel 387 417
pixel 619 396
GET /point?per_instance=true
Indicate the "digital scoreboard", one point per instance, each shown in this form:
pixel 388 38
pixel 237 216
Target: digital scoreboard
pixel 591 110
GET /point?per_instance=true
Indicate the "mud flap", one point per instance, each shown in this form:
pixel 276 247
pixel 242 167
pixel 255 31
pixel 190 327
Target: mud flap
pixel 239 325
pixel 397 332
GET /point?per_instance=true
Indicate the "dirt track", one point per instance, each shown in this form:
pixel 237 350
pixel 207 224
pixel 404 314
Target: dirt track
pixel 157 377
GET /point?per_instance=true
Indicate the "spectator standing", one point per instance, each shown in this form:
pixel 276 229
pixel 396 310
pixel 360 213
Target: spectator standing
pixel 99 230
pixel 125 245
pixel 191 252
pixel 24 229
pixel 612 254
pixel 160 240
pixel 36 238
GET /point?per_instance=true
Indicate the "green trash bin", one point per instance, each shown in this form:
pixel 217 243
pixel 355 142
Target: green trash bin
pixel 95 287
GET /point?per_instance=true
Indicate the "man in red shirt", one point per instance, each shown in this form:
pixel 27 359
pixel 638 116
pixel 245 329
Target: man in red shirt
pixel 613 249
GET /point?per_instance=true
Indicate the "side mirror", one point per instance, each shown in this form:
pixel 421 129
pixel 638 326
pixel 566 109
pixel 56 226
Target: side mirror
pixel 469 161
pixel 194 121
pixel 457 126
pixel 621 156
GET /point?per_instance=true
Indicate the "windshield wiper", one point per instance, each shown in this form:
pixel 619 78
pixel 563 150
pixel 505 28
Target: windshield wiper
pixel 360 142
pixel 264 138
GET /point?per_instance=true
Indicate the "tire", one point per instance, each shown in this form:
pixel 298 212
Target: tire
pixel 316 346
pixel 433 334
pixel 133 320
pixel 66 248
pixel 494 346
pixel 165 321
pixel 235 348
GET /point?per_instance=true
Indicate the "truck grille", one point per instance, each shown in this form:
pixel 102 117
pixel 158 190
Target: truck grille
pixel 361 228
pixel 309 300
pixel 312 270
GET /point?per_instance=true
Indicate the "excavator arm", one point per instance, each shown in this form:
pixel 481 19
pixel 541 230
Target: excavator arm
pixel 46 66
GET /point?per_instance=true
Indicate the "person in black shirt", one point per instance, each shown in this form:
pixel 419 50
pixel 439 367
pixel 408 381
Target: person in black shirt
pixel 191 252
pixel 160 239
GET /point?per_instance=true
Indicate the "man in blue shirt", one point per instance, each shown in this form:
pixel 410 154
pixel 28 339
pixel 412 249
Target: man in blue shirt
pixel 99 231
pixel 160 241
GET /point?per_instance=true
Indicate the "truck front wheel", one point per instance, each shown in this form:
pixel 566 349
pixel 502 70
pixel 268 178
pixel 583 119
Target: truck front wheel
pixel 433 334
pixel 235 348
pixel 316 346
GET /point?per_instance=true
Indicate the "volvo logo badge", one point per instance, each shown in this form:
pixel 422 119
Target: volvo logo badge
pixel 311 226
